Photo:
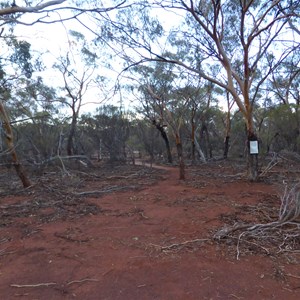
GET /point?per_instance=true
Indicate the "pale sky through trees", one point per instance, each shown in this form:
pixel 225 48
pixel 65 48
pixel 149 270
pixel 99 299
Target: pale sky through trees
pixel 53 41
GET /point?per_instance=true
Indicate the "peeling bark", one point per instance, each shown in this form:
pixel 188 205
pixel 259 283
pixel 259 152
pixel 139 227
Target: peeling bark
pixel 9 138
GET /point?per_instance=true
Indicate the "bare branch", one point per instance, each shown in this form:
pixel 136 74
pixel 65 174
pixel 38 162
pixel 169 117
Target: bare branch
pixel 27 9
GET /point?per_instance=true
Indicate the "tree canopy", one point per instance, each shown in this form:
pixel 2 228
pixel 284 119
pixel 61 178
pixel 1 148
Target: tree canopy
pixel 199 72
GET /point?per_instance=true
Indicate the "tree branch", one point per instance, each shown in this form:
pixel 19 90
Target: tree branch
pixel 27 9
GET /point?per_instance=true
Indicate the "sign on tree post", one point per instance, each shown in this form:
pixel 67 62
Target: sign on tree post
pixel 253 147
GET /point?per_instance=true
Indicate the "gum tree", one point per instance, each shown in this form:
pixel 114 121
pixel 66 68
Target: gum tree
pixel 41 12
pixel 77 71
pixel 234 44
pixel 245 41
pixel 19 59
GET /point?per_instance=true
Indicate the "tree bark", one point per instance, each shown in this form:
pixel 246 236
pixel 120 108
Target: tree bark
pixel 163 133
pixel 193 142
pixel 193 135
pixel 252 159
pixel 227 128
pixel 11 147
pixel 70 145
pixel 226 146
pixel 200 152
pixel 204 135
pixel 180 158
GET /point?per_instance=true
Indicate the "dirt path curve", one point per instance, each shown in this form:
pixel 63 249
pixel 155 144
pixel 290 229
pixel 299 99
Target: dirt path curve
pixel 153 243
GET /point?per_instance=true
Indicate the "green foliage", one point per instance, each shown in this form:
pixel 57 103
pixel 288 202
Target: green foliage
pixel 77 35
pixel 4 4
pixel 109 130
pixel 145 139
pixel 2 72
pixel 88 56
pixel 22 56
pixel 283 128
pixel 38 141
pixel 85 47
pixel 31 98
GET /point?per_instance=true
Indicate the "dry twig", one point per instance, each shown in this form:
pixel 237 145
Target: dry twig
pixel 274 161
pixel 82 280
pixel 290 204
pixel 33 285
pixel 286 228
pixel 179 245
pixel 107 190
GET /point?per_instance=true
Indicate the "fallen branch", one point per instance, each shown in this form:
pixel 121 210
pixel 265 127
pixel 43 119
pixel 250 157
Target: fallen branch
pixel 250 227
pixel 179 245
pixel 290 204
pixel 72 157
pixel 284 231
pixel 68 238
pixel 108 190
pixel 33 285
pixel 270 165
pixel 82 280
pixel 293 276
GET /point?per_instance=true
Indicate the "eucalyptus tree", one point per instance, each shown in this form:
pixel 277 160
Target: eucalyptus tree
pixel 77 71
pixel 17 59
pixel 13 14
pixel 143 138
pixel 199 97
pixel 174 101
pixel 281 128
pixel 161 102
pixel 283 87
pixel 233 44
pixel 239 38
pixel 227 124
pixel 285 80
pixel 52 11
pixel 33 108
pixel 191 95
pixel 154 83
pixel 109 128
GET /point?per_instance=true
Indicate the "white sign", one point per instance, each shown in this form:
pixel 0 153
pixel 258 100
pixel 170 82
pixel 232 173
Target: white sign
pixel 253 147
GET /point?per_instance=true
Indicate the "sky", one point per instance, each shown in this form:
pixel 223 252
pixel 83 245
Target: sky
pixel 53 40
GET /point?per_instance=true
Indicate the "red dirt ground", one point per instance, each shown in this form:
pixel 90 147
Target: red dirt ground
pixel 140 233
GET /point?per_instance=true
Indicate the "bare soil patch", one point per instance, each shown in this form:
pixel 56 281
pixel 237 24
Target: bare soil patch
pixel 134 232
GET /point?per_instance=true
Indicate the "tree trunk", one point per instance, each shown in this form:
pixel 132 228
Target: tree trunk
pixel 180 158
pixel 252 156
pixel 226 147
pixel 166 140
pixel 252 159
pixel 193 142
pixel 200 152
pixel 169 154
pixel 193 135
pixel 204 136
pixel 193 151
pixel 11 147
pixel 70 146
pixel 227 130
pixel 60 142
